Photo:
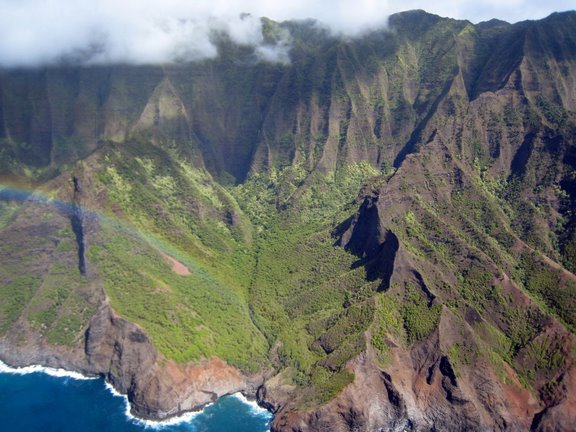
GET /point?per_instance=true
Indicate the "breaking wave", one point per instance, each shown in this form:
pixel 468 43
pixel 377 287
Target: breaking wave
pixel 152 424
pixel 55 372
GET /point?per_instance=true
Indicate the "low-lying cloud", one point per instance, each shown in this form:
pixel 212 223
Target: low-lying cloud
pixel 42 32
pixel 134 32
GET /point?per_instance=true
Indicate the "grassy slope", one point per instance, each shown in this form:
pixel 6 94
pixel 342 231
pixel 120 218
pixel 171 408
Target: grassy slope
pixel 303 283
pixel 251 288
pixel 39 279
pixel 269 287
pixel 159 204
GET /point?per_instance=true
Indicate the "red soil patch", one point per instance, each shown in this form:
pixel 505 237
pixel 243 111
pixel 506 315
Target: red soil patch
pixel 522 404
pixel 177 267
pixel 203 373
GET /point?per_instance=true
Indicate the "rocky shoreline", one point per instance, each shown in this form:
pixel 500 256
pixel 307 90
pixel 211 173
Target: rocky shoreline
pixel 122 354
pixel 158 390
pixel 420 388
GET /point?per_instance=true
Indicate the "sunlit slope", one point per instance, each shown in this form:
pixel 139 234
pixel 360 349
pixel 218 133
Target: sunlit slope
pixel 402 201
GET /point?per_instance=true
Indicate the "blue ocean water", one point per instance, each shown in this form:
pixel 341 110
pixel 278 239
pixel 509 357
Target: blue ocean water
pixel 44 403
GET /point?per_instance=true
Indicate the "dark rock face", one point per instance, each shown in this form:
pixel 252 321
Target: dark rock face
pixel 404 401
pixel 120 352
pixel 107 345
pixel 474 130
pixel 376 246
pixel 239 119
pixel 76 220
pixel 364 239
pixel 559 415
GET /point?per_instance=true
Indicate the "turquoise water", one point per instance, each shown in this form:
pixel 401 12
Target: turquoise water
pixel 40 402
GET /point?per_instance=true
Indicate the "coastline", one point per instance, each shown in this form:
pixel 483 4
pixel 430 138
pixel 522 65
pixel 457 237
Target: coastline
pixel 146 423
pixel 55 372
pixel 120 352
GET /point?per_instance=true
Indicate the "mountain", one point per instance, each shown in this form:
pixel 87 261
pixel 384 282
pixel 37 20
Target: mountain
pixel 378 235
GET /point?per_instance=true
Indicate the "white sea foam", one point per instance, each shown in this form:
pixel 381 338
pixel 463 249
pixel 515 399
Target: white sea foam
pixel 184 418
pixel 256 409
pixel 60 373
pixel 152 424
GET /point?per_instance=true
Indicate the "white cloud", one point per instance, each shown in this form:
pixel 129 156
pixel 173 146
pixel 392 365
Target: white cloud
pixel 36 32
pixel 483 10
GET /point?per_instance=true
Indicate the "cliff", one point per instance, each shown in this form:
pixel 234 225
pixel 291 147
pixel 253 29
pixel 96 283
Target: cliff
pixel 378 235
pixel 67 322
pixel 121 353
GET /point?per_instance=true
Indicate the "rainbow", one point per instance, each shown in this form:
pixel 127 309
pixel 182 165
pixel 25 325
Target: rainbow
pixel 23 196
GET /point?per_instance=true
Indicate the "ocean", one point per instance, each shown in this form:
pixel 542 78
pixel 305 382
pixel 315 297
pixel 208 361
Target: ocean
pixel 37 399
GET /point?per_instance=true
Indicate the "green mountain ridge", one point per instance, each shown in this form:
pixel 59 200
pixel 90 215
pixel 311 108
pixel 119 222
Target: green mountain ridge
pixel 387 221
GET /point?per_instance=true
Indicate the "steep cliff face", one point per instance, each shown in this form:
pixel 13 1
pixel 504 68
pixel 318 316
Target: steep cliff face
pixel 121 352
pixel 55 311
pixel 156 389
pixel 464 198
pixel 338 102
pixel 442 296
pixel 455 343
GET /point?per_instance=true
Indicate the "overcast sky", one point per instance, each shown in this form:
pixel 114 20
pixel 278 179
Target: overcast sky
pixel 37 32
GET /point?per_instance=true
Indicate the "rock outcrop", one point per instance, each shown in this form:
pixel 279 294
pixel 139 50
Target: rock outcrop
pixel 450 301
pixel 121 353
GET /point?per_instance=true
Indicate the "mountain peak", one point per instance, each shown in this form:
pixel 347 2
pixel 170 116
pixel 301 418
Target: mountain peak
pixel 416 17
pixel 380 211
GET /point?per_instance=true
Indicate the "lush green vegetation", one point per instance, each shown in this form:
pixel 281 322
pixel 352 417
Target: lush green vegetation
pixel 59 309
pixel 546 284
pixel 268 286
pixel 15 296
pixel 305 293
pixel 326 385
pixel 388 323
pixel 186 317
pixel 162 194
pixel 249 289
pixel 7 211
pixel 420 317
pixel 463 355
